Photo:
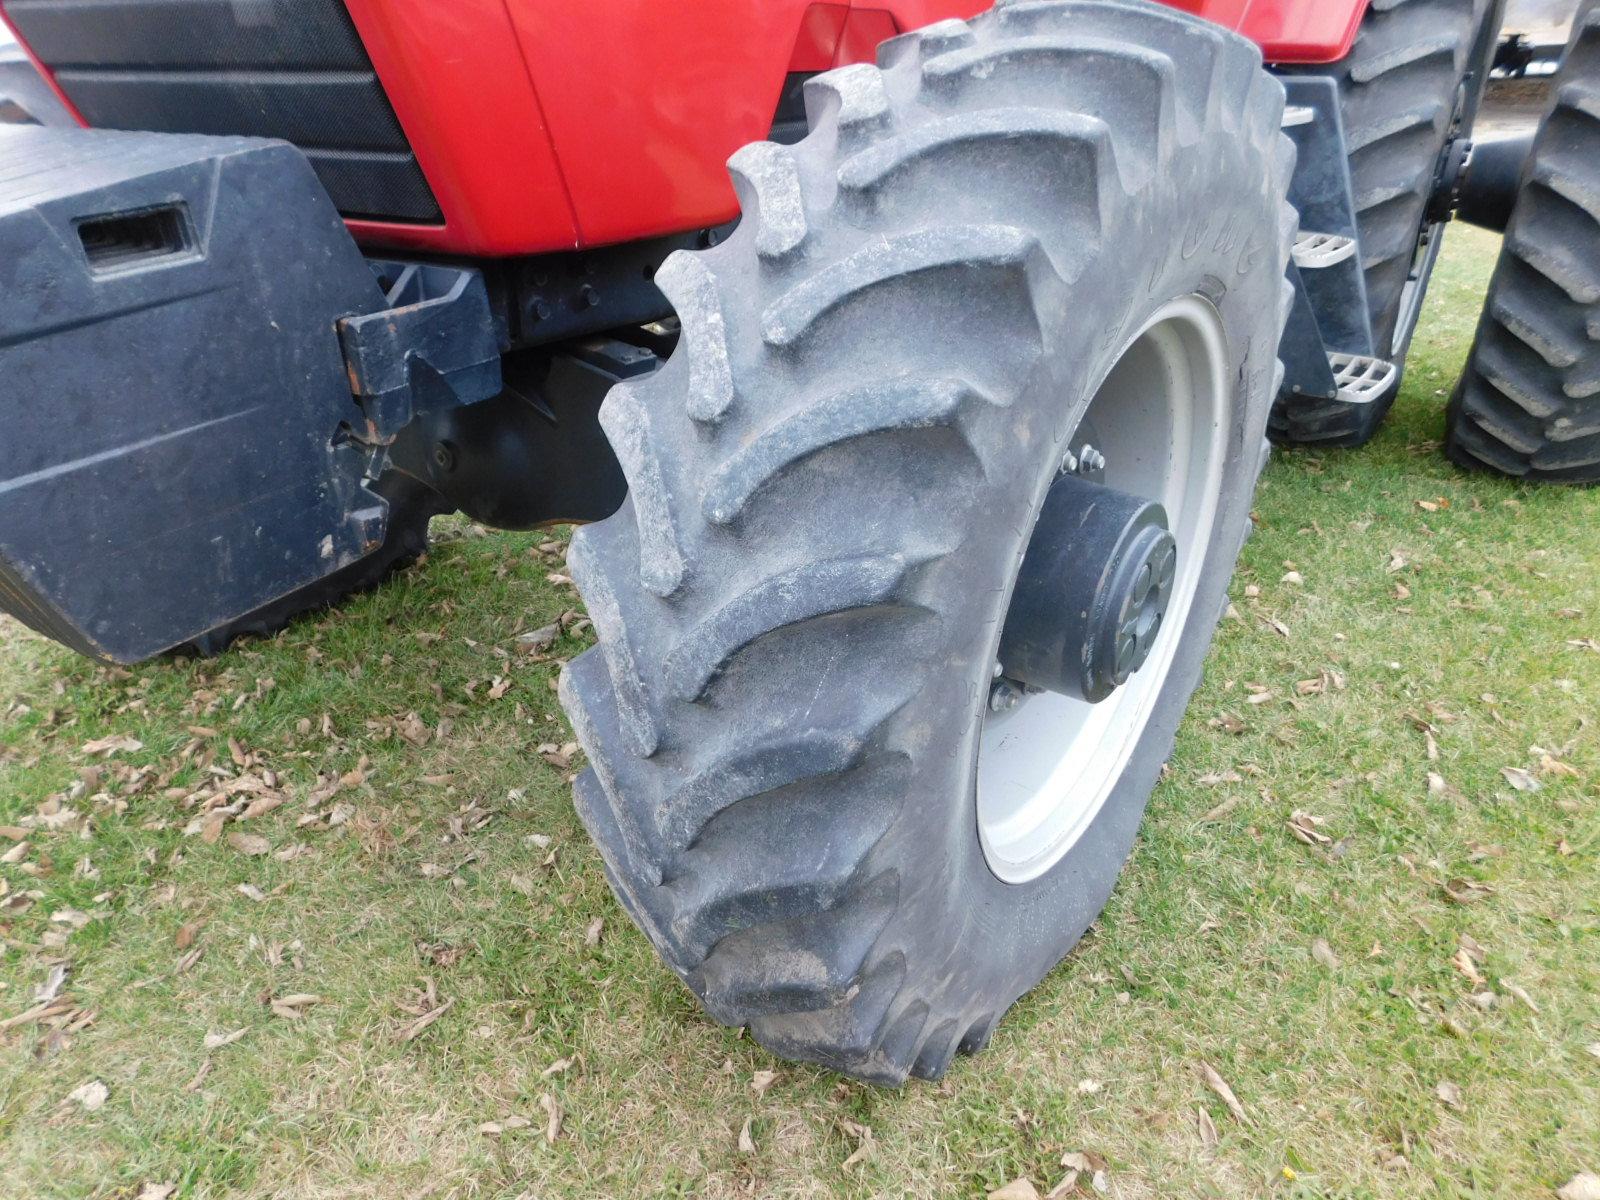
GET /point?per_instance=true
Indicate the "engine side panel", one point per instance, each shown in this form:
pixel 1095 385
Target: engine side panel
pixel 641 160
pixel 547 126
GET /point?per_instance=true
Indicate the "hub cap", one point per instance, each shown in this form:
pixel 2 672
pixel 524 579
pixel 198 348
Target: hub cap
pixel 1092 592
pixel 1130 638
pixel 1049 760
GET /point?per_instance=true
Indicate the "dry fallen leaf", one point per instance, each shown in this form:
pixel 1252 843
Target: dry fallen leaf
pixel 261 806
pixel 747 1144
pixel 156 1191
pixel 1082 1162
pixel 761 1081
pixel 90 1096
pixel 1017 1189
pixel 1323 953
pixel 215 1041
pixel 211 826
pixel 1523 781
pixel 1206 1128
pixel 1582 1186
pixel 1449 1094
pixel 290 1007
pixel 591 936
pixel 539 639
pixel 119 743
pixel 864 1143
pixel 1220 1086
pixel 252 844
pixel 552 1125
pixel 1463 962
pixel 1549 764
pixel 1304 826
pixel 1466 891
pixel 1517 990
pixel 411 1031
pixel 52 985
pixel 496 1128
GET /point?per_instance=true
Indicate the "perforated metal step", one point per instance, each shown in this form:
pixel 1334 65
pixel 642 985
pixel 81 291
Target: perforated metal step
pixel 1314 251
pixel 1361 379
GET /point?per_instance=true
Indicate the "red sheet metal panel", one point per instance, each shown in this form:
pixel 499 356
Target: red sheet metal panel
pixel 545 126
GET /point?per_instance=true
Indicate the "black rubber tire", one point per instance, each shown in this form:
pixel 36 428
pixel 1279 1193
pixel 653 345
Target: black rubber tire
pixel 832 484
pixel 1399 88
pixel 411 507
pixel 1528 404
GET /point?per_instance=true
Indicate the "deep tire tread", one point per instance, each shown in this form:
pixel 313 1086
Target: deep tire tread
pixel 1528 404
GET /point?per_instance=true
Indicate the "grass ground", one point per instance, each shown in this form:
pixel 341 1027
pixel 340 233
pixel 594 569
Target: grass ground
pixel 388 983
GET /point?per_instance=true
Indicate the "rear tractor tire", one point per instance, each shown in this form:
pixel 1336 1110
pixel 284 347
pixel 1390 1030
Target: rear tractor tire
pixel 1528 404
pixel 1020 290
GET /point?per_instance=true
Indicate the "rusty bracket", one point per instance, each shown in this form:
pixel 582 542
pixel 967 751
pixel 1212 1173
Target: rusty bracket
pixel 434 347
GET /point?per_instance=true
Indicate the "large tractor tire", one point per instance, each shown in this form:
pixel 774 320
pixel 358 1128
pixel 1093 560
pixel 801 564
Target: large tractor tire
pixel 1528 404
pixel 411 507
pixel 1057 223
pixel 1410 84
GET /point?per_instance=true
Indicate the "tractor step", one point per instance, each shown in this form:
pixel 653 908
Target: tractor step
pixel 1362 379
pixel 1314 251
pixel 180 444
pixel 1298 114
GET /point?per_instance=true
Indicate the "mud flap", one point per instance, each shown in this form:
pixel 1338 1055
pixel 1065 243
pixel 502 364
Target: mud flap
pixel 173 393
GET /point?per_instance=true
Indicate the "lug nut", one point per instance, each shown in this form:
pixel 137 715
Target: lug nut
pixel 1091 460
pixel 1004 696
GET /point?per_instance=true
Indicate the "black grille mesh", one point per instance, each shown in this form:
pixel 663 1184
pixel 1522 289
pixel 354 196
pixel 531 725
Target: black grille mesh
pixel 291 69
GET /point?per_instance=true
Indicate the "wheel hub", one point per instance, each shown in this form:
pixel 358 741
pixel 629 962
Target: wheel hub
pixel 1092 593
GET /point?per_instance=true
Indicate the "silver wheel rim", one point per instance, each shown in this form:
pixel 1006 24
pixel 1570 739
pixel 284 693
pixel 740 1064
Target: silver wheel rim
pixel 1160 417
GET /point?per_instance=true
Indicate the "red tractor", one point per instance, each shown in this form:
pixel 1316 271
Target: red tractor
pixel 912 467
